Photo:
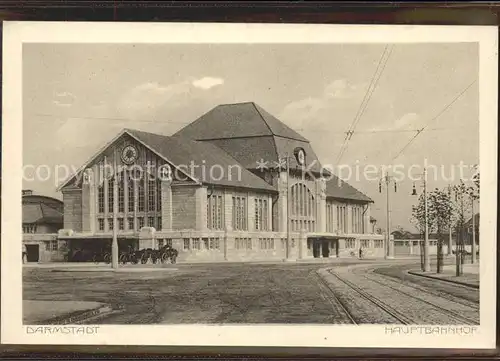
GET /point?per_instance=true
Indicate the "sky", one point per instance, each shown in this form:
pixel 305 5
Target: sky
pixel 77 97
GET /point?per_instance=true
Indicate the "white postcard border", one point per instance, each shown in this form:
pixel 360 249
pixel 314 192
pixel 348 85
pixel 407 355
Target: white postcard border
pixel 17 33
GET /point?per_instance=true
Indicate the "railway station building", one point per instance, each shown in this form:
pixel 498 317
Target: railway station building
pixel 236 184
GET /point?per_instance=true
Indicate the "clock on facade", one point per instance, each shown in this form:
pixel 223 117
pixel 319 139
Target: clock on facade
pixel 300 155
pixel 129 154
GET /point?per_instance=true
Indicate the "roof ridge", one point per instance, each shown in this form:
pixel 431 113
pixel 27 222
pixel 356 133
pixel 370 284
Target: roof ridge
pixel 268 127
pixel 297 136
pixel 262 117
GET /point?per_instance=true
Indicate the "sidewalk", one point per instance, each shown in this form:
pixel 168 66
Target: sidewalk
pixel 470 277
pixel 60 312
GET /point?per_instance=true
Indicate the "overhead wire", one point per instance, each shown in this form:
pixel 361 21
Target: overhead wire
pixel 419 131
pixel 369 92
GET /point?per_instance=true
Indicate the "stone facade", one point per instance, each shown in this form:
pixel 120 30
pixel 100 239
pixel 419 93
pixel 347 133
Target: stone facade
pixel 185 216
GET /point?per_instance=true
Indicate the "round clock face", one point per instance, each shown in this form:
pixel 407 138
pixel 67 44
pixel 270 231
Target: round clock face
pixel 301 157
pixel 129 154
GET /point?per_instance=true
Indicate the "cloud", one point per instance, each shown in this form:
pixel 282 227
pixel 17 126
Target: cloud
pixel 146 98
pixel 342 89
pixel 64 99
pixel 312 107
pixel 207 82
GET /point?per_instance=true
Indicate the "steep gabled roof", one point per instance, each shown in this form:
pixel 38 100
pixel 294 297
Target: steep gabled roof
pixel 236 121
pixel 40 213
pixel 336 188
pixel 205 156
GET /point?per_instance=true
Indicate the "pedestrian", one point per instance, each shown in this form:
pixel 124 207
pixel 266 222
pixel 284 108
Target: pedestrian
pixel 360 252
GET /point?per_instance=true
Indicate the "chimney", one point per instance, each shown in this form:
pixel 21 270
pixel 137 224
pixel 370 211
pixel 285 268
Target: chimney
pixel 27 192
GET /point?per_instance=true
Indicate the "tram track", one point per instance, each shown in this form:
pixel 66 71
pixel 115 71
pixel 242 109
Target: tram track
pixel 461 318
pixel 396 312
pixel 334 301
pixel 392 312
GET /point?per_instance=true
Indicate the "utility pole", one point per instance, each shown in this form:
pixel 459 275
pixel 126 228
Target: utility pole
pixel 473 231
pixel 450 237
pixel 114 245
pixel 389 248
pixel 427 257
pixel 288 203
pixel 388 219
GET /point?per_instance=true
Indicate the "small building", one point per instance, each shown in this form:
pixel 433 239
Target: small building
pixel 469 230
pixel 42 219
pixel 411 244
pixel 235 184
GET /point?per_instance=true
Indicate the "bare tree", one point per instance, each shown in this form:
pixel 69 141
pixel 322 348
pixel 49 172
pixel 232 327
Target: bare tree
pixel 462 199
pixel 440 212
pixel 418 220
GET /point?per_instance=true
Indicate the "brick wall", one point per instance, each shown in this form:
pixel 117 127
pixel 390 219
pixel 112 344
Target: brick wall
pixel 73 210
pixel 183 207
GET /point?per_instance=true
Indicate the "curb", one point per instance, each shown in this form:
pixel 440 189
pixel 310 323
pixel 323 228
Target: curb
pixel 470 285
pixel 77 317
pixel 120 270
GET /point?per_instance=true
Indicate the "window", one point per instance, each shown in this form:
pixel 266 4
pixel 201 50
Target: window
pixel 121 224
pixel 110 224
pixel 151 221
pixel 151 194
pixel 261 223
pixel 329 218
pixel 205 243
pixel 342 219
pixel 141 222
pixel 365 243
pixel 140 195
pixel 29 228
pixel 131 193
pixel 378 243
pixel 239 213
pixel 160 243
pixel 357 219
pixel 121 194
pixel 266 243
pixel 186 243
pixel 130 223
pixel 168 242
pixel 47 245
pixel 215 212
pixel 110 195
pixel 214 243
pixel 158 195
pixel 196 243
pixel 158 228
pixel 100 199
pixel 243 243
pixel 53 245
pixel 302 208
pixel 100 222
pixel 350 243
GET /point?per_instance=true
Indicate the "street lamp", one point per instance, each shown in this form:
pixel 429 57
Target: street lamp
pixel 427 258
pixel 387 179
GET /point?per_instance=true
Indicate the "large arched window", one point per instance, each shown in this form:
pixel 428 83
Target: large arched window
pixel 302 208
pixel 139 202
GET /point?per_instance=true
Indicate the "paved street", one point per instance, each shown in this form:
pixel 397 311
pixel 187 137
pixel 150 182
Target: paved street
pixel 262 293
